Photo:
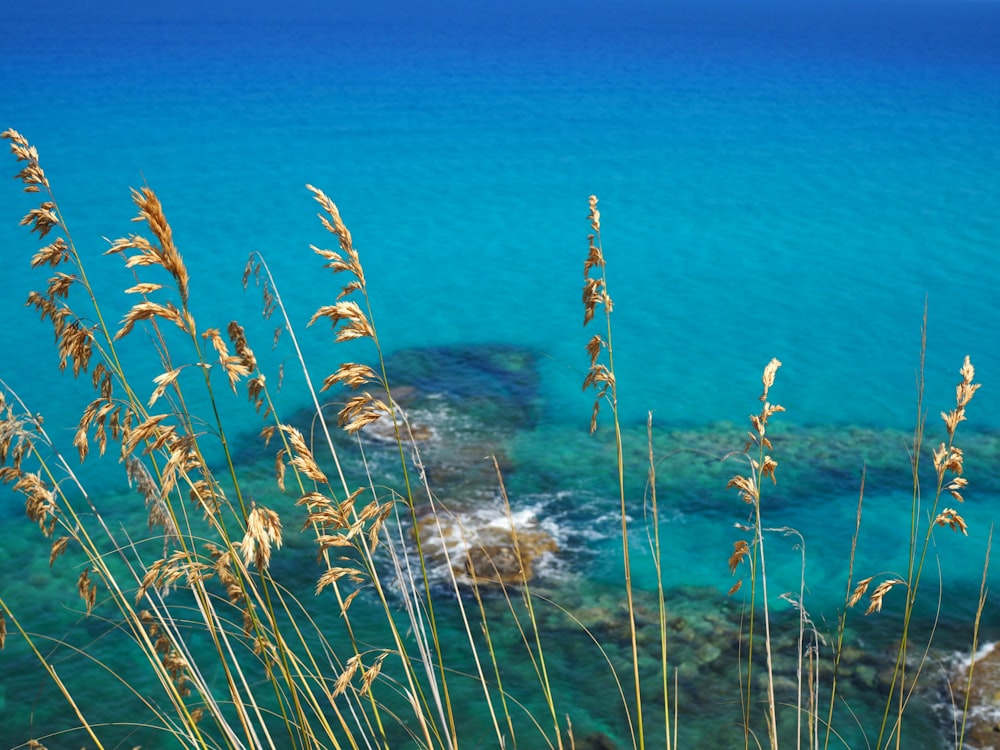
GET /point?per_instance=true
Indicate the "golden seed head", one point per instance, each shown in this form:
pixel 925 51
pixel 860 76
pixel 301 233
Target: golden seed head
pixel 345 677
pixel 238 336
pixel 859 591
pixel 740 550
pixel 950 517
pixel 351 374
pixel 58 548
pixel 87 590
pixel 32 175
pixel 263 533
pixel 875 601
pixel 594 216
pixel 768 378
pixel 747 487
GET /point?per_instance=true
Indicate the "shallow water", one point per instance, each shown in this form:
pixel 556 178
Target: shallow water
pixel 774 181
pixel 562 489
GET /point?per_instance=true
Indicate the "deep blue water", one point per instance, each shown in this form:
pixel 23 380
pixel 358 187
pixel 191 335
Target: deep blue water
pixel 775 180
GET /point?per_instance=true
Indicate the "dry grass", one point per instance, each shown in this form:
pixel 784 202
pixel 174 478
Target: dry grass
pixel 242 660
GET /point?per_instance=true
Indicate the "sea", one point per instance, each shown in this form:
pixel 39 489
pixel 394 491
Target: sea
pixel 812 181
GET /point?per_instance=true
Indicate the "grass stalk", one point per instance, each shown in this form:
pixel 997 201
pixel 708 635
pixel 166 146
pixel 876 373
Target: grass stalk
pixel 838 650
pixel 601 377
pixel 656 548
pixel 974 649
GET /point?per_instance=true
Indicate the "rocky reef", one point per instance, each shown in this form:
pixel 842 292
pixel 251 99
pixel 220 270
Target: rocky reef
pixel 462 406
pixel 706 652
pixel 982 730
pixel 550 517
pixel 486 546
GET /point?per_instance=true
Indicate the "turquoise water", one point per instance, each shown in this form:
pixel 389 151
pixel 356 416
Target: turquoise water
pixel 775 181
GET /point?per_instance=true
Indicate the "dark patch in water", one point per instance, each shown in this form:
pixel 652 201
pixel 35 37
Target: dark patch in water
pixel 502 381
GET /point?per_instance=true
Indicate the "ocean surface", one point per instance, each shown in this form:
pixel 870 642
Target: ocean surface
pixel 790 180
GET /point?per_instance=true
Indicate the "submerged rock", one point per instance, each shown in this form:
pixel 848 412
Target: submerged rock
pixel 496 384
pixel 455 407
pixel 495 563
pixel 486 547
pixel 388 429
pixel 983 720
pixel 595 741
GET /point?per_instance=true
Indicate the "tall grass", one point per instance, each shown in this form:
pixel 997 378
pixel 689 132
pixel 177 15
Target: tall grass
pixel 242 656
